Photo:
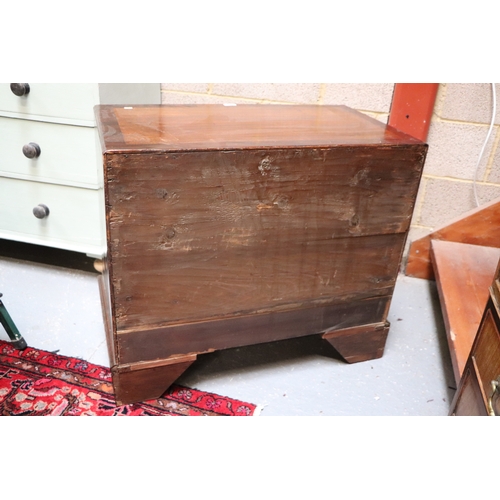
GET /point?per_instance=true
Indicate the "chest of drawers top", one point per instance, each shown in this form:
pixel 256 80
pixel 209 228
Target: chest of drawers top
pixel 219 127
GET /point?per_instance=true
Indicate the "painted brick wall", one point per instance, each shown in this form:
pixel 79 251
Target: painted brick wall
pixel 373 98
pixel 458 129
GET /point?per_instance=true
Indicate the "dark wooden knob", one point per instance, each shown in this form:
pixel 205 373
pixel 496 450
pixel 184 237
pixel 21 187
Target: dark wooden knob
pixel 20 89
pixel 31 150
pixel 41 211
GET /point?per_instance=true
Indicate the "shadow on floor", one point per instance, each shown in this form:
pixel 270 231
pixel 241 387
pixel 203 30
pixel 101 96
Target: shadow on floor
pixel 46 255
pixel 260 355
pixel 444 349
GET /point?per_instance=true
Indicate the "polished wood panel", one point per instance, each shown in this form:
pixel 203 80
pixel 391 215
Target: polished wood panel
pixel 178 128
pixel 463 274
pixel 412 108
pixel 495 287
pixel 480 226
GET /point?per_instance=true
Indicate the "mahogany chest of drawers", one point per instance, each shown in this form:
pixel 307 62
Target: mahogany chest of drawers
pixel 237 225
pixel 478 393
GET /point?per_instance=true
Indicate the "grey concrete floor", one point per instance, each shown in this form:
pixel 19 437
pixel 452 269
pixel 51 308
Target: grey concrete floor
pixel 58 309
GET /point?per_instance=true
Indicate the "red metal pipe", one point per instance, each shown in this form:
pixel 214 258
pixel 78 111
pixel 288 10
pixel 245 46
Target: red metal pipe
pixel 412 106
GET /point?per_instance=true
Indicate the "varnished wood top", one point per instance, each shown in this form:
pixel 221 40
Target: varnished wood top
pixel 220 127
pixel 464 274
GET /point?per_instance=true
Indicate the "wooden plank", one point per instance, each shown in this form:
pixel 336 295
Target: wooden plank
pixel 480 226
pixel 468 401
pixel 169 128
pixel 144 381
pixel 412 107
pixel 486 351
pixel 224 333
pixel 203 234
pixel 464 274
pixel 359 343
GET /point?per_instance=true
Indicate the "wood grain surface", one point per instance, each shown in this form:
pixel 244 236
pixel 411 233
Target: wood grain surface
pixel 464 274
pixel 201 234
pixel 236 225
pixel 480 226
pixel 184 127
pixel 222 333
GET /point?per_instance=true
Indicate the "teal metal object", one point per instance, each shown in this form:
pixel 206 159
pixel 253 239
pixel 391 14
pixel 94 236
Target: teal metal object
pixel 16 338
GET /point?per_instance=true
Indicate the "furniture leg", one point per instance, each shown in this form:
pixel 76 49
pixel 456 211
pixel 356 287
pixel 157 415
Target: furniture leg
pixel 359 343
pixel 147 380
pixel 16 338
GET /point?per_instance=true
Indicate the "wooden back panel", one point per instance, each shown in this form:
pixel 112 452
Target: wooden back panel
pixel 199 228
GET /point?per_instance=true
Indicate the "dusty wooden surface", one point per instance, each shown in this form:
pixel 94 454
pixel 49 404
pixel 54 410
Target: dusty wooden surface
pixel 211 234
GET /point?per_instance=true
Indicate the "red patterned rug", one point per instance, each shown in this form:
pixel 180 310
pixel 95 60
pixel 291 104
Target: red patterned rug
pixel 40 383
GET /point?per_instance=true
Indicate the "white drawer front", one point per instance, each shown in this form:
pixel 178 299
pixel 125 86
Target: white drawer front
pixel 75 220
pixel 52 101
pixel 68 153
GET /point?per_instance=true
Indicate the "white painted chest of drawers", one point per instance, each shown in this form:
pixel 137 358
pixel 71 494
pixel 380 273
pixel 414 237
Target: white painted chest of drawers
pixel 56 198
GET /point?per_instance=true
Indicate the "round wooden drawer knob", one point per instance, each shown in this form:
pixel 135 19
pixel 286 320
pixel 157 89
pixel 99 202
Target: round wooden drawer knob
pixel 20 89
pixel 31 150
pixel 99 265
pixel 41 211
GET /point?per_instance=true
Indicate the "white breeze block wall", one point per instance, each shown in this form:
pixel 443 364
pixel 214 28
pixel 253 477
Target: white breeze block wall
pixel 459 127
